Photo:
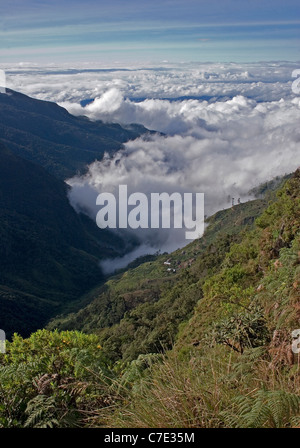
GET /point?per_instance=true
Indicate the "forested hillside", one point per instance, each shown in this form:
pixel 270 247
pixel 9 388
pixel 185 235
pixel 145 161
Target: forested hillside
pixel 140 309
pixel 49 255
pixel 209 345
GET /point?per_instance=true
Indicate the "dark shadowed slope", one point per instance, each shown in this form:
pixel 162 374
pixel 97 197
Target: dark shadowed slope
pixel 48 254
pixel 47 134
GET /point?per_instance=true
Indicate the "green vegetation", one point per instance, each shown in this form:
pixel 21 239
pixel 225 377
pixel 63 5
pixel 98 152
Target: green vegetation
pixel 49 255
pixel 206 346
pixel 140 309
pixel 52 379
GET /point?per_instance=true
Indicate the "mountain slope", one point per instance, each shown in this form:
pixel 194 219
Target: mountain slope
pixel 48 253
pixel 234 361
pixel 48 135
pixel 147 303
pixel 260 275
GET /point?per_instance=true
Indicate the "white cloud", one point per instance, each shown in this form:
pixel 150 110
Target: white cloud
pixel 222 149
pixel 263 81
pixel 228 127
pixel 112 264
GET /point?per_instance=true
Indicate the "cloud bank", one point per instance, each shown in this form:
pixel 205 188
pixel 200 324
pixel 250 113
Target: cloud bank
pixel 221 149
pixel 228 127
pixel 264 81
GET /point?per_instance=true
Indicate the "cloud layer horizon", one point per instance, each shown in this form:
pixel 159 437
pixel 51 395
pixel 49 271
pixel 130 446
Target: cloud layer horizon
pixel 227 128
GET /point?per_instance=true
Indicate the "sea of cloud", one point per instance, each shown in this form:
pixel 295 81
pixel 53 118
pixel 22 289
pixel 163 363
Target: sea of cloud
pixel 265 81
pixel 221 129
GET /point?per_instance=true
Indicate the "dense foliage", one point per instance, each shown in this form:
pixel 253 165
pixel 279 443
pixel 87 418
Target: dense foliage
pixel 206 346
pixel 52 379
pixel 49 255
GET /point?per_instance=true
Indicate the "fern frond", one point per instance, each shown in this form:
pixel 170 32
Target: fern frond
pixel 264 409
pixel 41 412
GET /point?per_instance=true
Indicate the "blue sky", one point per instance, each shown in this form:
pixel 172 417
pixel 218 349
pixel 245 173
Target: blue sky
pixel 149 30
